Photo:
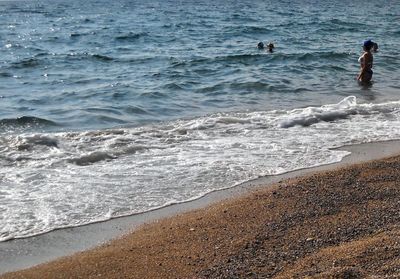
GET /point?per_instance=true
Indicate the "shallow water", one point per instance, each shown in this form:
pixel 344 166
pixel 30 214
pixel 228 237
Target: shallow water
pixel 113 108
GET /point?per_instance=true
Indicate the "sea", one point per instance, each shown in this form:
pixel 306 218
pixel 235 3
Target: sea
pixel 113 108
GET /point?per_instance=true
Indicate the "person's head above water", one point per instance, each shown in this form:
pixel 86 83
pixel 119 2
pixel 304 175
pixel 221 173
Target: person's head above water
pixel 260 45
pixel 270 47
pixel 368 44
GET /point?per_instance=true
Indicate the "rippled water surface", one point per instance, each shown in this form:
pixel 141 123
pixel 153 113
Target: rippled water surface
pixel 96 64
pixel 114 107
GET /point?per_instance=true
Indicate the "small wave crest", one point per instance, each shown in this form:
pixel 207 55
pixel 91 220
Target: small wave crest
pixel 328 113
pixel 255 29
pixel 26 63
pixel 90 56
pixel 240 57
pixel 130 109
pixel 26 143
pixel 315 56
pixel 6 74
pixel 130 37
pixel 91 158
pixel 25 122
pixel 247 58
pixel 102 57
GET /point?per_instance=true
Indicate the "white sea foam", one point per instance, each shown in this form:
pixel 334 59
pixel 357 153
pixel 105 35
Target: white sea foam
pixel 58 180
pixel 328 113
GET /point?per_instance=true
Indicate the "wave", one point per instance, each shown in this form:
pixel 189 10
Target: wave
pixel 88 148
pixel 262 57
pixel 40 10
pixel 43 58
pixel 104 119
pixel 101 57
pixel 173 86
pixel 315 56
pixel 134 110
pixel 341 25
pixel 91 158
pixel 26 121
pixel 26 63
pixel 91 147
pixel 330 113
pixel 131 36
pixel 252 30
pixel 6 74
pixel 89 56
pixel 31 142
pixel 235 58
pixel 143 162
pixel 115 151
pixel 138 59
pixel 75 35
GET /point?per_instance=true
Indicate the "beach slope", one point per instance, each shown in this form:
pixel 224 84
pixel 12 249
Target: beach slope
pixel 342 223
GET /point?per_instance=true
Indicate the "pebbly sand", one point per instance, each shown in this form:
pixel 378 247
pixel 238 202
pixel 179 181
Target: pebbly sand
pixel 342 222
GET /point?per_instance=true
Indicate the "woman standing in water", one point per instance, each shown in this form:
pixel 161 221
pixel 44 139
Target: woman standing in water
pixel 366 60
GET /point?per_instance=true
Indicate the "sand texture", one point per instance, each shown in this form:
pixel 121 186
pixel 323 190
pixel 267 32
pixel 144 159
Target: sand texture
pixel 343 223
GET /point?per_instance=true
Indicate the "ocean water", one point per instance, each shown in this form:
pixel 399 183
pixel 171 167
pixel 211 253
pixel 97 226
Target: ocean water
pixel 110 108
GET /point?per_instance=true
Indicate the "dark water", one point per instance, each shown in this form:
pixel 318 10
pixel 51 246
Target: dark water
pixel 99 64
pixel 110 108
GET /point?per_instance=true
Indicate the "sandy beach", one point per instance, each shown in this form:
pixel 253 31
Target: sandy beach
pixel 343 222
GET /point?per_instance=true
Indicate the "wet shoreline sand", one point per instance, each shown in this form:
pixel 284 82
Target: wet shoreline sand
pixel 329 221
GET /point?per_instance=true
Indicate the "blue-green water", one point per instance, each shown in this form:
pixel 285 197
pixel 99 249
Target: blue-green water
pixel 115 107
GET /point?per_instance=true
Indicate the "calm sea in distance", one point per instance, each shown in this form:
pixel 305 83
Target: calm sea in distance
pixel 110 108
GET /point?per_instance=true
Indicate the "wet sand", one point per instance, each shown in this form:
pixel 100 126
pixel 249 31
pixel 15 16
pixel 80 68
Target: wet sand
pixel 337 221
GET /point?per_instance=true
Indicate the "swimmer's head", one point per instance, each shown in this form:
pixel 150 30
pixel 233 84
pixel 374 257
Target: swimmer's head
pixel 260 45
pixel 270 47
pixel 368 44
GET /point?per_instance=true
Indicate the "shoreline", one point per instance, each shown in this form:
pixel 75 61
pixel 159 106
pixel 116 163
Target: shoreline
pixel 22 253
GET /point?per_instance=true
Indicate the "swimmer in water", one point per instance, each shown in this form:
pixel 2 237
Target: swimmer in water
pixel 260 45
pixel 271 47
pixel 366 60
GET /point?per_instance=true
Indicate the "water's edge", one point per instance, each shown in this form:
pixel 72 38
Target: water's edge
pixel 24 253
